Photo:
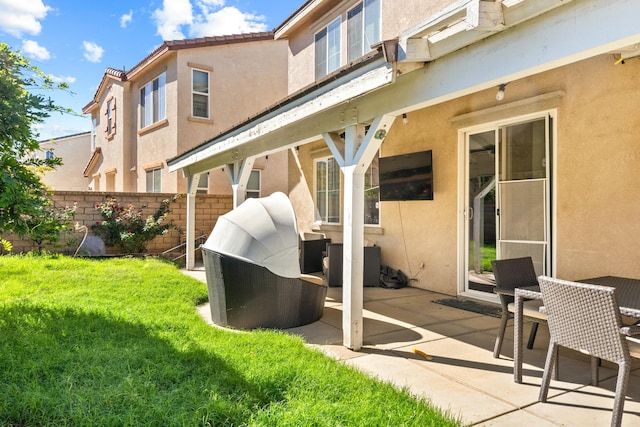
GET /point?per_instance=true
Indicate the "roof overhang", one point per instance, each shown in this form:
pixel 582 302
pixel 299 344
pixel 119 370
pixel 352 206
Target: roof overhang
pixel 465 23
pixel 93 161
pixel 267 132
pixel 551 37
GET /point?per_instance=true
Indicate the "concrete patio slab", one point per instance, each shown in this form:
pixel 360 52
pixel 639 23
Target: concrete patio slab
pixel 461 376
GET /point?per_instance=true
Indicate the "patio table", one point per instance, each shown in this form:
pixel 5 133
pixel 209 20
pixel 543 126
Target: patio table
pixel 627 290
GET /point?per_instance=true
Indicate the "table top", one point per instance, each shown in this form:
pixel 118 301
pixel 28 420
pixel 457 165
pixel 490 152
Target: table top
pixel 627 291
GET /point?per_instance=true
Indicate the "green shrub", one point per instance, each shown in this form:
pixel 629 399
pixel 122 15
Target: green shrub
pixel 126 227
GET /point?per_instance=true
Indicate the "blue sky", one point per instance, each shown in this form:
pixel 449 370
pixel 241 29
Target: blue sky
pixel 74 41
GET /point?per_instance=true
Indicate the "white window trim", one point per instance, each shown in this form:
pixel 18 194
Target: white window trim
pixel 320 221
pixel 337 21
pixel 152 171
pixel 143 117
pixel 363 35
pixel 207 94
pixel 259 190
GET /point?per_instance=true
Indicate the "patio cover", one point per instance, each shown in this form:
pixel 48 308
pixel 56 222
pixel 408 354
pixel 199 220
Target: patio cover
pixel 260 231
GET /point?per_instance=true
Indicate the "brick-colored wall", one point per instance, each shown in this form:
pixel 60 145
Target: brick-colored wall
pixel 208 209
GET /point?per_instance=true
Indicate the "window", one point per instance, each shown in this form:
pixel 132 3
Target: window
pixel 253 186
pixel 94 133
pixel 363 28
pixel 327 44
pixel 49 154
pixel 327 191
pixel 372 194
pixel 110 118
pixel 152 101
pixel 200 93
pixel 203 183
pixel 154 180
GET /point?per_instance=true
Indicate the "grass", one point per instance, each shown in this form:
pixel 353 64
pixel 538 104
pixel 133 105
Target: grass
pixel 118 342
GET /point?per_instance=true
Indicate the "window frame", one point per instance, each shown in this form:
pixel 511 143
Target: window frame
pixel 203 189
pixel 364 46
pixel 323 217
pixel 372 171
pixel 195 93
pixel 325 62
pixel 110 118
pixel 254 192
pixel 157 110
pixel 153 173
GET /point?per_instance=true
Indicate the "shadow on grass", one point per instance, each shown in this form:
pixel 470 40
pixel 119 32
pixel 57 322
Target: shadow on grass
pixel 64 367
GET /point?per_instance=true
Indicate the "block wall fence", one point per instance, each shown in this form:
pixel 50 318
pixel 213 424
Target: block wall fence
pixel 209 208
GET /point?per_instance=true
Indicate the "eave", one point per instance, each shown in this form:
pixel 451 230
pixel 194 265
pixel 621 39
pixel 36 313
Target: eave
pixel 465 23
pixel 334 91
pixel 93 161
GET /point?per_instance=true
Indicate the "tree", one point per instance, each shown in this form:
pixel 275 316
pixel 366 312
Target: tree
pixel 23 196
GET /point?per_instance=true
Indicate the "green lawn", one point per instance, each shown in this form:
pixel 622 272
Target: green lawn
pixel 118 342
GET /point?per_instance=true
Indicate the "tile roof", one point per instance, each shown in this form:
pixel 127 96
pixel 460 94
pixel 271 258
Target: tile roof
pixel 170 45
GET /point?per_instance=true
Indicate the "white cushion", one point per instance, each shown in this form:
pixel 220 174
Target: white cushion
pixel 531 308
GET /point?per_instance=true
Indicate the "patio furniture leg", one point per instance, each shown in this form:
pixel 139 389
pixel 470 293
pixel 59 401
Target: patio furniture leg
pixel 503 327
pixel 517 338
pixel 532 335
pixel 595 365
pixel 621 391
pixel 550 364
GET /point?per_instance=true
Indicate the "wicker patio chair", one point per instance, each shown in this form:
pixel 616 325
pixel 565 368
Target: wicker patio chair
pixel 587 318
pixel 510 274
pixel 248 296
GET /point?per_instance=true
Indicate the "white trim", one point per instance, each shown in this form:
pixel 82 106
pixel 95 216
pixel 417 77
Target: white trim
pixel 207 94
pixel 463 133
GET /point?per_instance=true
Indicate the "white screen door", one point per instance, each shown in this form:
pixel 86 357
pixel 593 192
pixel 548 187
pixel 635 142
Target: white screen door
pixel 508 209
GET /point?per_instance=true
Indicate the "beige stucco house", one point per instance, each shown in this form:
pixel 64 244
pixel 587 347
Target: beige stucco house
pixel 522 115
pixel 177 97
pixel 73 150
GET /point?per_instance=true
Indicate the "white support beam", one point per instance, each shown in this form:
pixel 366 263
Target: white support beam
pixel 192 188
pixel 239 173
pixel 354 155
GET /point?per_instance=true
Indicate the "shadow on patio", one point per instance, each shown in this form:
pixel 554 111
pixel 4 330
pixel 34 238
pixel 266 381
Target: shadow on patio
pixel 461 375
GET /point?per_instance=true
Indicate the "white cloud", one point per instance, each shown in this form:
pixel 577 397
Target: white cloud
pixel 228 20
pixel 126 18
pixel 34 51
pixel 17 17
pixel 92 52
pixel 211 18
pixel 173 15
pixel 206 6
pixel 61 79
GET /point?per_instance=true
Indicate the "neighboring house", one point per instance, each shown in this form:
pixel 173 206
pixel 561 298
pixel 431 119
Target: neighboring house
pixel 177 97
pixel 527 108
pixel 73 150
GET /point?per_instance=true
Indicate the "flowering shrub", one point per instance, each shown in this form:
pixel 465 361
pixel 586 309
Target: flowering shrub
pixel 48 221
pixel 126 228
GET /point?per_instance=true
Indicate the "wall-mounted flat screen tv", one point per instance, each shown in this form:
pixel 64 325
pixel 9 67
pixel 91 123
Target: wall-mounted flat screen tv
pixel 406 177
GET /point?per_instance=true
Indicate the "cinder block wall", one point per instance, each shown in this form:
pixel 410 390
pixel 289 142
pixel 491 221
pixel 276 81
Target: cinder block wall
pixel 208 208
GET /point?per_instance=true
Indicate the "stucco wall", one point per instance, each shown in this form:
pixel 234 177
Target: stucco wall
pixel 396 17
pixel 74 152
pixel 597 177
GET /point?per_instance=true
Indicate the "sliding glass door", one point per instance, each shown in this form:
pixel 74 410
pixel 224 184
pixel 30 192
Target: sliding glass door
pixel 508 201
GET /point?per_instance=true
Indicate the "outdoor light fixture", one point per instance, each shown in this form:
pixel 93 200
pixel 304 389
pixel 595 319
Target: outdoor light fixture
pixel 405 120
pixel 500 94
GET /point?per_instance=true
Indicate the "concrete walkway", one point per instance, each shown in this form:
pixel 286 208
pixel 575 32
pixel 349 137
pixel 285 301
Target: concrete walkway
pixel 461 375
